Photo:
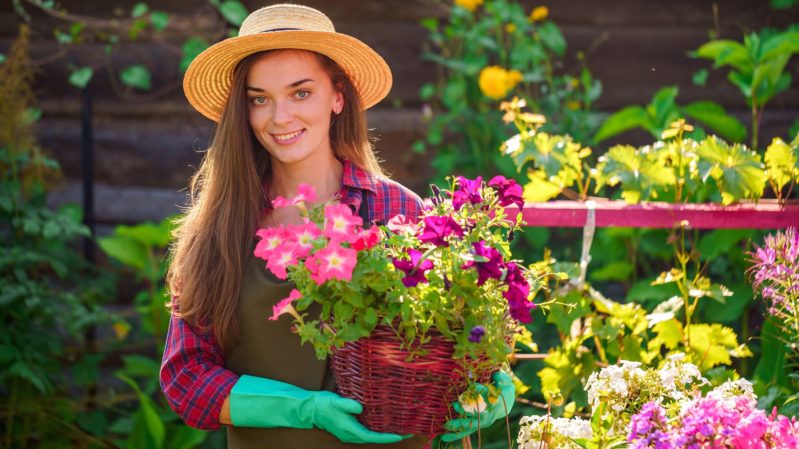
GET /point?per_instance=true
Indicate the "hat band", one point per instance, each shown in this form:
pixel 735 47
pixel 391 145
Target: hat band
pixel 281 29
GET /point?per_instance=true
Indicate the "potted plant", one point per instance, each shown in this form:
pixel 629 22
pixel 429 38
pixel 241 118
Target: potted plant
pixel 414 312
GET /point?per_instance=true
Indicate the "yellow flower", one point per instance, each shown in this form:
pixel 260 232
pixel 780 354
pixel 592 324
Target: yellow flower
pixel 510 28
pixel 495 82
pixel 539 13
pixel 574 105
pixel 471 5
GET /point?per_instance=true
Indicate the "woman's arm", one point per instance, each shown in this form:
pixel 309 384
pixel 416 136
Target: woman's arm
pixel 193 377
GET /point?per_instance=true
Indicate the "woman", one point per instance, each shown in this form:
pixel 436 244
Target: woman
pixel 289 95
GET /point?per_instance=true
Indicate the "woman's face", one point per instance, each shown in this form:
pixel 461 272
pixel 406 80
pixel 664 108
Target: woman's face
pixel 291 99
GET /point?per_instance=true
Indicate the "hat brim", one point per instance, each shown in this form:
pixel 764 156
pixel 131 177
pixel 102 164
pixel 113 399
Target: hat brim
pixel 209 76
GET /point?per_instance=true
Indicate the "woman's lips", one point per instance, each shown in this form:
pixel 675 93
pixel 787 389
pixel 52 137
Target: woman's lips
pixel 288 138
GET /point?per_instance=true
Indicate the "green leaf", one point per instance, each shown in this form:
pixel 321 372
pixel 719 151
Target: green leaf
pixel 233 11
pixel 771 367
pixel 2 58
pixel 80 78
pixel 159 20
pixel 782 162
pixel 639 174
pixel 699 78
pixel 137 76
pixel 619 270
pixel 191 48
pixel 726 52
pixel 628 118
pixel 737 171
pixel 552 38
pixel 148 234
pixel 94 422
pixel 722 241
pixel 140 366
pixel 148 430
pixel 715 117
pixel 185 437
pixel 663 107
pixel 139 10
pixel 668 333
pixel 783 4
pixel 126 250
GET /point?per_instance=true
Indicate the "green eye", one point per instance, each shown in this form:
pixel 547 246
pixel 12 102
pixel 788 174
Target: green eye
pixel 302 94
pixel 258 100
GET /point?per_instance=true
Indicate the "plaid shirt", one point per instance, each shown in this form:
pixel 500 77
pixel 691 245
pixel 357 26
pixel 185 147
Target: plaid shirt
pixel 193 374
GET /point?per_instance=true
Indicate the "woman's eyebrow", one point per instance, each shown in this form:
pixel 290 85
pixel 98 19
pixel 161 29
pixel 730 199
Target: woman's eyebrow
pixel 294 84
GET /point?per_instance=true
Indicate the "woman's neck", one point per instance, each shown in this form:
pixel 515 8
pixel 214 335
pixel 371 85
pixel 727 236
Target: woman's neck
pixel 324 174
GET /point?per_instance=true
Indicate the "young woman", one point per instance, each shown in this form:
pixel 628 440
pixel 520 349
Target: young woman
pixel 289 95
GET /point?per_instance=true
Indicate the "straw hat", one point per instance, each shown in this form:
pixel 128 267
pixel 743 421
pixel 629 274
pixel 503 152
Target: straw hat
pixel 208 78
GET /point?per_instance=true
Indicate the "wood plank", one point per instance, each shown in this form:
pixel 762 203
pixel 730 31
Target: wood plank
pixel 766 214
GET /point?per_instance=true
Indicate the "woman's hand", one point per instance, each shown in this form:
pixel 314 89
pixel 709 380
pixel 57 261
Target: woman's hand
pixel 469 423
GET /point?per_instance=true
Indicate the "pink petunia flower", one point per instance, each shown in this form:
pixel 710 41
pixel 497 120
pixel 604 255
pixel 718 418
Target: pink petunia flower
pixel 304 234
pixel 305 193
pixel 279 201
pixel 271 238
pixel 333 262
pixel 367 238
pixel 284 306
pixel 282 257
pixel 467 191
pixel 437 229
pixel 341 223
pixel 414 269
pixel 401 224
pixel 510 192
pixel 488 269
pixel 517 294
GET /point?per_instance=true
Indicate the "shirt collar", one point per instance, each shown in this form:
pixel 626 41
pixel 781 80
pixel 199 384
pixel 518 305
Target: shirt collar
pixel 356 177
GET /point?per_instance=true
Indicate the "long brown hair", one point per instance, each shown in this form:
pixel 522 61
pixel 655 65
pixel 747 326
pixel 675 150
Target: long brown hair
pixel 212 242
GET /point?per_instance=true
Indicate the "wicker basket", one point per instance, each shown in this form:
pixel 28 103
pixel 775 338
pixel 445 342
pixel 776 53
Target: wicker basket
pixel 398 395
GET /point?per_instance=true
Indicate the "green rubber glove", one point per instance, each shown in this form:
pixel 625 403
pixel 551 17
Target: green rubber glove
pixel 261 402
pixel 461 427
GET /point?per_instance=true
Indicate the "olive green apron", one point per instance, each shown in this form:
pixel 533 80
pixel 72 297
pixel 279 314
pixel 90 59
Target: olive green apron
pixel 269 349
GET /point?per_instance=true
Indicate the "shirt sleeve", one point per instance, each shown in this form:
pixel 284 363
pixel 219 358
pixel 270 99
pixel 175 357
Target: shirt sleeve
pixel 193 377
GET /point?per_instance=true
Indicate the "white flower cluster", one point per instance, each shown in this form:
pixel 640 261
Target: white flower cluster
pixel 732 389
pixel 676 374
pixel 614 383
pixel 543 432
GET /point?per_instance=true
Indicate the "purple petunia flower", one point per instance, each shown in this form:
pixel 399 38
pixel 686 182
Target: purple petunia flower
pixel 510 192
pixel 437 229
pixel 476 334
pixel 468 191
pixel 490 269
pixel 414 269
pixel 517 294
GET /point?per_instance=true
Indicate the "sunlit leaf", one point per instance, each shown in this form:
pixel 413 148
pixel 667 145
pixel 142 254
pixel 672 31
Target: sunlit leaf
pixel 737 170
pixel 639 173
pixel 782 162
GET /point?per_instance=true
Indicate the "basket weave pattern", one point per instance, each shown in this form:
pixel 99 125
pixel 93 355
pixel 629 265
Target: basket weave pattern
pixel 398 395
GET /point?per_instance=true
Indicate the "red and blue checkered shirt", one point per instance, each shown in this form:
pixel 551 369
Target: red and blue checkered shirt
pixel 193 374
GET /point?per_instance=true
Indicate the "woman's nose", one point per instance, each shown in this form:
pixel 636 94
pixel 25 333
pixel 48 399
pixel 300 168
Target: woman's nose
pixel 283 112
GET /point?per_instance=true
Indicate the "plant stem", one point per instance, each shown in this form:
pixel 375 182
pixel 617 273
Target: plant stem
pixel 12 403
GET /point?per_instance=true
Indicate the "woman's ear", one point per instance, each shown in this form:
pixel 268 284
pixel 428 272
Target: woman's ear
pixel 338 103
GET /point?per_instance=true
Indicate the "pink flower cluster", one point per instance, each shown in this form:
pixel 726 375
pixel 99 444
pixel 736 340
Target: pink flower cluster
pixel 329 253
pixel 713 423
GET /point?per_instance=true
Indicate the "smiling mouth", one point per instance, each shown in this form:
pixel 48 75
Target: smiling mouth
pixel 288 137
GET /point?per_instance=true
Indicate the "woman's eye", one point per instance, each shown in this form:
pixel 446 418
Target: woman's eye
pixel 302 94
pixel 258 100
